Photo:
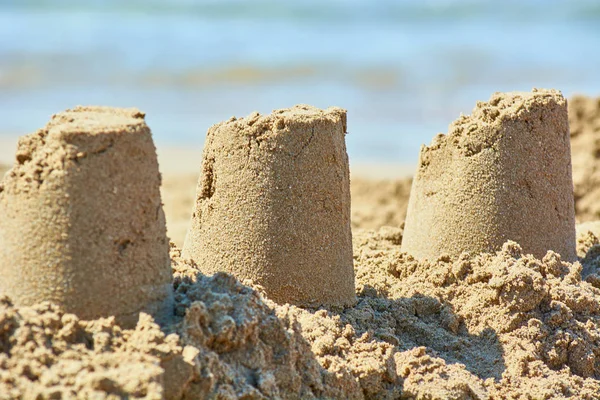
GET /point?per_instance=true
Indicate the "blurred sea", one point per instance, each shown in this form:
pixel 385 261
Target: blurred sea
pixel 404 69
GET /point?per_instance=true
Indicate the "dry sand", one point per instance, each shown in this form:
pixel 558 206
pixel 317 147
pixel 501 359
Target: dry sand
pixel 379 193
pixel 502 325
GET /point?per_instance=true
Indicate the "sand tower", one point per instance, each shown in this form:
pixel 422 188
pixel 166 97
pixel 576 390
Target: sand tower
pixel 502 173
pixel 273 205
pixel 81 220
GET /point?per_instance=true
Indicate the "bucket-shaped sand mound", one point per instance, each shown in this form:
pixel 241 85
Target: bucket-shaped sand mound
pixel 273 205
pixel 502 173
pixel 81 220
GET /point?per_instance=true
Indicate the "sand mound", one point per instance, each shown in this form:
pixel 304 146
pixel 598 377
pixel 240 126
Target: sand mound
pixel 377 203
pixel 502 173
pixel 584 120
pixel 502 325
pixel 81 222
pixel 273 205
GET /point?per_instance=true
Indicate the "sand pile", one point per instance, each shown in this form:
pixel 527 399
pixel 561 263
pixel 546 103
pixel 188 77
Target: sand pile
pixel 273 205
pixel 504 325
pixel 584 120
pixel 377 203
pixel 81 222
pixel 502 173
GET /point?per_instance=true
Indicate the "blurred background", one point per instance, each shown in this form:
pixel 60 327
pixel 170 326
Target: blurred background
pixel 404 69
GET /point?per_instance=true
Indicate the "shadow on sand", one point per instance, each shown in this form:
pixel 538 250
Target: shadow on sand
pixel 265 338
pixel 423 321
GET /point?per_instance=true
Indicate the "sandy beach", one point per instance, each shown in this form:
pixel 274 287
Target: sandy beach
pixel 479 325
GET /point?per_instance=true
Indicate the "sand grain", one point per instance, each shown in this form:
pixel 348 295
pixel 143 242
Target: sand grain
pixel 502 325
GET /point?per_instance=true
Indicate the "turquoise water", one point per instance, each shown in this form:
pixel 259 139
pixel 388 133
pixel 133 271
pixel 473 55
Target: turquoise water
pixel 403 69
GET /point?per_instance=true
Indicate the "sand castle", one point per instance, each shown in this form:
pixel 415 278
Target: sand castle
pixel 81 220
pixel 273 205
pixel 503 173
pixel 83 195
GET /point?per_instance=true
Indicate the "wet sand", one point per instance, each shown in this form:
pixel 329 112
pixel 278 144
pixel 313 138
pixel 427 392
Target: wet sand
pixel 500 325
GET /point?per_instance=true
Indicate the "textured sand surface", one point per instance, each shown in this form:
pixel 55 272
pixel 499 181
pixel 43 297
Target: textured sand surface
pixel 502 325
pixel 273 205
pixel 178 192
pixel 81 219
pixel 501 173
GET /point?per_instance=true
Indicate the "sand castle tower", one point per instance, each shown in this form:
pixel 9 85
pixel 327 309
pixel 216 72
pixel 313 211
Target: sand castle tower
pixel 273 205
pixel 81 220
pixel 502 173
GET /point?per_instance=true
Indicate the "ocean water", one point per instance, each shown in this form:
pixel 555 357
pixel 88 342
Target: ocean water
pixel 404 69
